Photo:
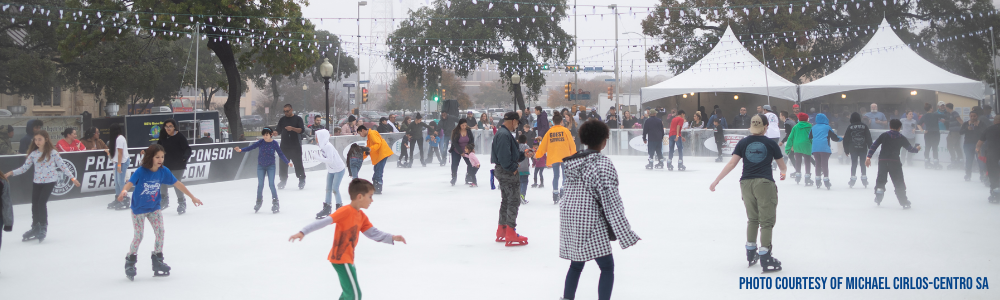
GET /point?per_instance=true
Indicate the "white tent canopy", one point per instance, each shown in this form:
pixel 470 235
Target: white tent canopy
pixel 887 62
pixel 730 68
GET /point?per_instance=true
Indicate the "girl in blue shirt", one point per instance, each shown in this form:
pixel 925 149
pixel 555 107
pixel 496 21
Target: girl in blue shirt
pixel 146 205
pixel 265 166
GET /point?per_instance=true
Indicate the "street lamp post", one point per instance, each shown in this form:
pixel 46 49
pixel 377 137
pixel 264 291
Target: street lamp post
pixel 326 70
pixel 618 85
pixel 645 66
pixel 360 4
pixel 518 97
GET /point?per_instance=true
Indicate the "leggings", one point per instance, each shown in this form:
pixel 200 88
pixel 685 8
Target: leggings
pixel 604 286
pixel 822 163
pixel 858 159
pixel 933 139
pixel 798 161
pixel 40 193
pixel 540 172
pixel 417 142
pixel 156 219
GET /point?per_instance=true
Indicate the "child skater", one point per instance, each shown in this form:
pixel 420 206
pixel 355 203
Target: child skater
pixel 146 206
pixel 49 169
pixel 857 139
pixel 350 220
pixel 432 142
pixel 470 153
pixel 265 166
pixel 821 135
pixel 356 156
pixel 719 135
pixel 404 158
pixel 539 166
pixel 334 171
pixel 889 163
pixel 524 166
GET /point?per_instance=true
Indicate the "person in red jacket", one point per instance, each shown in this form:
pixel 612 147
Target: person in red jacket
pixel 676 140
pixel 70 142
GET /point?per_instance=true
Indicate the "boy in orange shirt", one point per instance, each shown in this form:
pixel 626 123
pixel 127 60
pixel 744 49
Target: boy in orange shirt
pixel 350 220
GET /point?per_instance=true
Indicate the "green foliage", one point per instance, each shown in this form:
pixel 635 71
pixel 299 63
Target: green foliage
pixel 29 57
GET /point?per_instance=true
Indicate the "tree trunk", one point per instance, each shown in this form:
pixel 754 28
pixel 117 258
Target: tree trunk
pixel 274 92
pixel 224 52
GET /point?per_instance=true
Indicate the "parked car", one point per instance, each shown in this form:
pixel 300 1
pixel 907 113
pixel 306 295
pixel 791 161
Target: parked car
pixel 5 113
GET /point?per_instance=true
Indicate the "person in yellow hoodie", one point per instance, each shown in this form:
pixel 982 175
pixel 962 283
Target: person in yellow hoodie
pixel 381 151
pixel 557 143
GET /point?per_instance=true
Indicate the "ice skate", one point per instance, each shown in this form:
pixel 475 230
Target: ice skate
pixel 31 234
pixel 752 256
pixel 906 206
pixel 680 165
pixel 968 177
pixel 850 183
pixel 797 176
pixel 164 203
pixel 555 198
pixel 523 201
pixel 256 207
pixel 670 165
pixel 159 268
pixel 937 165
pixel 927 164
pixel 274 206
pixel 120 205
pixel 336 207
pixel 659 165
pixel 826 182
pixel 864 180
pixel 378 188
pixel 819 182
pixel 473 185
pixel 768 263
pixel 324 212
pixel 879 193
pixel 534 185
pixel 541 185
pixel 513 239
pixel 130 261
pixel 501 233
pixel 809 180
pixel 281 184
pixel 995 195
pixel 181 208
pixel 649 166
pixel 302 183
pixel 718 159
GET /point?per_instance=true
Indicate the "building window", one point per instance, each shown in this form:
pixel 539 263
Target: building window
pixel 49 99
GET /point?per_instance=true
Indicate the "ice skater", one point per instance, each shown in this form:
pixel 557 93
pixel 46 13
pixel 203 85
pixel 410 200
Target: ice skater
pixel 760 194
pixel 973 129
pixel 290 128
pixel 265 166
pixel 718 125
pixel 539 164
pixel 800 148
pixel 523 167
pixel 355 156
pixel 653 130
pixel 49 170
pixel 461 135
pixel 335 169
pixel 988 147
pixel 122 160
pixel 931 123
pixel 432 145
pixel 591 214
pixel 350 221
pixel 506 157
pixel 470 174
pixel 676 140
pixel 176 155
pixel 857 139
pixel 557 143
pixel 821 135
pixel 889 162
pixel 380 152
pixel 146 206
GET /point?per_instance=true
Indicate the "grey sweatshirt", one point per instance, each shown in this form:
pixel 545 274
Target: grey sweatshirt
pixel 372 233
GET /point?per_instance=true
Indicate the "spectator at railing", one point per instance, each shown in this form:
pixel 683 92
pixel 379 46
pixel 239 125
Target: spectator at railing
pixel 92 141
pixel 69 142
pixel 5 147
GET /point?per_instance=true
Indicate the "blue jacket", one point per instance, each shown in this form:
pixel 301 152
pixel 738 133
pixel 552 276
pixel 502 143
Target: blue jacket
pixel 822 134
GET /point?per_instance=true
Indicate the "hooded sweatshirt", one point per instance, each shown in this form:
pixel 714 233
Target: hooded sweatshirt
pixel 26 140
pixel 821 134
pixel 557 144
pixel 379 148
pixel 799 140
pixel 857 138
pixel 329 154
pixel 176 149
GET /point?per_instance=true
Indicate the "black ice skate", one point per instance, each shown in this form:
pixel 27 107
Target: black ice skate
pixel 879 193
pixel 32 233
pixel 323 213
pixel 659 164
pixel 927 164
pixel 797 176
pixel 164 203
pixel 256 207
pixel 541 185
pixel 826 182
pixel 937 165
pixel 302 183
pixel 864 180
pixel 337 206
pixel 850 183
pixel 719 159
pixel 181 208
pixel 555 198
pixel 680 165
pixel 533 185
pixel 906 206
pixel 378 188
pixel 995 195
pixel 274 206
pixel 120 205
pixel 752 257
pixel 649 166
pixel 768 263
pixel 159 268
pixel 281 184
pixel 670 165
pixel 809 180
pixel 819 182
pixel 130 266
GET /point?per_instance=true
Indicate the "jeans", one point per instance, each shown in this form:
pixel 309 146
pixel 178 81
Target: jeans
pixel 971 158
pixel 120 176
pixel 333 185
pixel 379 168
pixel 933 139
pixel 540 172
pixel 655 146
pixel 680 149
pixel 556 170
pixel 894 169
pixel 269 171
pixel 604 286
pixel 470 175
pixel 443 147
pixel 524 185
pixel 355 167
pixel 455 159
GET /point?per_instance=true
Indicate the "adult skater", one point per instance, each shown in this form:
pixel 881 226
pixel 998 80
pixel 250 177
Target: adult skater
pixel 121 160
pixel 506 157
pixel 774 127
pixel 676 140
pixel 146 206
pixel 909 131
pixel 176 155
pixel 290 128
pixel 556 144
pixel 653 129
pixel 821 135
pixel 69 142
pixel 269 148
pixel 889 163
pixel 953 123
pixel 857 139
pixel 591 214
pixel 461 135
pixel 932 135
pixel 760 194
pixel 542 124
pixel 989 147
pixel 416 131
pixel 380 152
pixel 973 130
pixel 49 167
pixel 350 221
pixel 335 169
pixel 800 148
pixel 445 126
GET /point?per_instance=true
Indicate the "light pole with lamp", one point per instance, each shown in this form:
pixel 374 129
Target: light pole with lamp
pixel 645 65
pixel 618 84
pixel 630 79
pixel 360 4
pixel 326 71
pixel 515 80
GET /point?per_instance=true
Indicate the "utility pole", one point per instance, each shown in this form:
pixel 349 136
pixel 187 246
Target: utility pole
pixel 360 4
pixel 197 47
pixel 618 93
pixel 993 55
pixel 576 48
pixel 767 85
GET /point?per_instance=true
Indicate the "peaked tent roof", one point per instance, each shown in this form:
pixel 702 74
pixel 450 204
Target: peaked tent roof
pixel 729 67
pixel 887 62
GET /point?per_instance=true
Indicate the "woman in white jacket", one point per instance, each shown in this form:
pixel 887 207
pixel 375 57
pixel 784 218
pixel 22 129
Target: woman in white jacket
pixel 335 169
pixel 591 214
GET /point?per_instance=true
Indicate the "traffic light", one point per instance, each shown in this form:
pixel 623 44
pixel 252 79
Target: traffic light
pixel 545 66
pixel 610 91
pixel 568 89
pixel 443 91
pixel 572 68
pixel 364 95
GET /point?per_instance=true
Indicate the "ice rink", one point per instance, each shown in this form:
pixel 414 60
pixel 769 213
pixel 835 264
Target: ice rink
pixel 691 247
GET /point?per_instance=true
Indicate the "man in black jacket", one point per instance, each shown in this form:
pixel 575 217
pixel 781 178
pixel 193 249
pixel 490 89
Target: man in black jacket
pixel 290 128
pixel 742 120
pixel 416 131
pixel 33 126
pixel 446 125
pixel 506 157
pixel 176 154
pixel 653 128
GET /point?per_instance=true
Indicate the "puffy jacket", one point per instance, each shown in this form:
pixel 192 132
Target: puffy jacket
pixel 329 154
pixel 591 209
pixel 557 144
pixel 543 123
pixel 380 149
pixel 857 138
pixel 798 139
pixel 176 150
pixel 821 135
pixel 505 151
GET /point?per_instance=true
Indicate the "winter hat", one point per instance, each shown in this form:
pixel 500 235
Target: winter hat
pixel 767 107
pixel 795 106
pixel 758 124
pixel 351 119
pixel 803 116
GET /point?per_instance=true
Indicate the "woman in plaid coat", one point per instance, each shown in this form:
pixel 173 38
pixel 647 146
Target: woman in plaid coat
pixel 591 214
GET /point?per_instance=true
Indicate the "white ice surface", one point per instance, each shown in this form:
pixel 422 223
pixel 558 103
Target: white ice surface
pixel 691 248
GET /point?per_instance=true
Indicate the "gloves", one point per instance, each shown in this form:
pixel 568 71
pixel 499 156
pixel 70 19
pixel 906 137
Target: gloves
pixel 8 228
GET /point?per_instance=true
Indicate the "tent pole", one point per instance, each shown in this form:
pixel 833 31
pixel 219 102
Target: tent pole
pixel 767 86
pixel 993 55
